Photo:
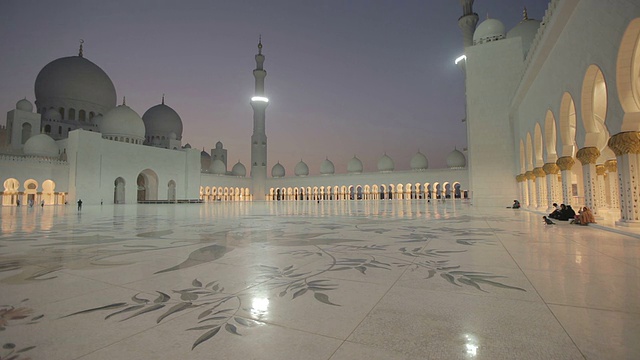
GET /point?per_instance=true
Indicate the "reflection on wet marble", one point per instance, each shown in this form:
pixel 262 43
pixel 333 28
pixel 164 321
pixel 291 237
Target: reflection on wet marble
pixel 331 280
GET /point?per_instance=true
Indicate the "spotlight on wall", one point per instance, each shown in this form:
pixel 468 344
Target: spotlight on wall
pixel 460 58
pixel 260 98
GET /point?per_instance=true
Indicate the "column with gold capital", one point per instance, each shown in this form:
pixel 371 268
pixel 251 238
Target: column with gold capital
pixel 626 146
pixel 601 186
pixel 565 164
pixel 541 188
pixel 522 181
pixel 588 156
pixel 553 187
pixel 612 181
pixel 531 186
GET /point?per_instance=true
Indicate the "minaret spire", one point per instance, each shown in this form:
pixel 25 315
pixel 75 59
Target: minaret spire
pixel 525 16
pixel 80 51
pixel 162 99
pixel 467 22
pixel 259 103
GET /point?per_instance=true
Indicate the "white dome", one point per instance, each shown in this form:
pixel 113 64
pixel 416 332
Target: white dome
pixel 239 169
pixel 24 105
pixel 218 145
pixel 187 146
pixel 526 30
pixel 52 115
pixel 162 120
pixel 489 30
pixel 419 162
pixel 122 121
pixel 301 169
pixel 354 166
pixel 41 145
pixel 456 159
pixel 218 167
pixel 277 171
pixel 385 163
pixel 327 168
pixel 75 79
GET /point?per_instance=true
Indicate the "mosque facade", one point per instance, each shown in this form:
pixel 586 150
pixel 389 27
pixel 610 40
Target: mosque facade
pixel 553 115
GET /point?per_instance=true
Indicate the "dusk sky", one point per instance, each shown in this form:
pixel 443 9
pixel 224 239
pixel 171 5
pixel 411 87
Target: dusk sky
pixel 344 78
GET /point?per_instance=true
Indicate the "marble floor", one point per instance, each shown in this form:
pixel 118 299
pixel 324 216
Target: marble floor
pixel 304 280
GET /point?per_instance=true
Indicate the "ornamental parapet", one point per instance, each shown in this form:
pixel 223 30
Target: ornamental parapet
pixel 588 155
pixel 601 169
pixel 521 178
pixel 33 159
pixel 565 163
pixel 529 175
pixel 539 172
pixel 611 165
pixel 625 143
pixel 550 168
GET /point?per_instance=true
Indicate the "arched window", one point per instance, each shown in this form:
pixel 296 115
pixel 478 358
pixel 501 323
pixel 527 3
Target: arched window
pixel 91 115
pixel 61 111
pixel 72 114
pixel 26 132
pixel 59 130
pixel 47 129
pixel 82 115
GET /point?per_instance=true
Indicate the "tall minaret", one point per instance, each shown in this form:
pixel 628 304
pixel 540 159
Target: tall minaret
pixel 259 138
pixel 467 22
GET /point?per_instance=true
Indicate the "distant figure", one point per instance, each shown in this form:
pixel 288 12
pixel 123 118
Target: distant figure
pixel 18 202
pixel 79 204
pixel 42 203
pixel 30 202
pixel 100 201
pixel 585 217
pixel 547 221
pixel 516 204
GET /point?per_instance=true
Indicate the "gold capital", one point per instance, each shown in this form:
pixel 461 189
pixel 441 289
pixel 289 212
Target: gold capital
pixel 611 165
pixel 550 168
pixel 521 178
pixel 565 163
pixel 625 143
pixel 601 169
pixel 588 155
pixel 529 175
pixel 539 172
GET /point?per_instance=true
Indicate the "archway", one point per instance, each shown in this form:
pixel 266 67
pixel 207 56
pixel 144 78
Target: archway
pixel 48 192
pixel 171 191
pixel 147 185
pixel 10 193
pixel 119 191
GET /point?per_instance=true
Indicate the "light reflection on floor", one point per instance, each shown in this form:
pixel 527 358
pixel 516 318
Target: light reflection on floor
pixel 333 280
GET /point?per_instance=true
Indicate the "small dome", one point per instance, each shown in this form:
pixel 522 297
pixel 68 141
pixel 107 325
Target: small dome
pixel 205 154
pixel 219 145
pixel 354 166
pixel 385 163
pixel 52 115
pixel 277 171
pixel 162 120
pixel 41 145
pixel 218 167
pixel 75 78
pixel 419 162
pixel 327 168
pixel 122 121
pixel 301 169
pixel 489 30
pixel 456 159
pixel 24 105
pixel 239 169
pixel 187 146
pixel 526 30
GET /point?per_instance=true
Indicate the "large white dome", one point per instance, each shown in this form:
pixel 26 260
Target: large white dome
pixel 385 163
pixel 327 167
pixel 75 80
pixel 526 30
pixel 456 159
pixel 239 169
pixel 354 166
pixel 218 167
pixel 162 120
pixel 122 121
pixel 52 115
pixel 419 162
pixel 41 145
pixel 277 171
pixel 301 169
pixel 489 30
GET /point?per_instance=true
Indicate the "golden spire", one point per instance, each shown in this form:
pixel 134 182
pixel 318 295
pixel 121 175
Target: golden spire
pixel 124 100
pixel 80 52
pixel 260 44
pixel 525 16
pixel 162 99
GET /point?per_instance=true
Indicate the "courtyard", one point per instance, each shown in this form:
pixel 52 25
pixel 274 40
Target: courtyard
pixel 370 279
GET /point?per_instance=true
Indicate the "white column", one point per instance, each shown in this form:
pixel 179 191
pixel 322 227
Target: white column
pixel 541 188
pixel 565 163
pixel 612 179
pixel 551 169
pixel 626 146
pixel 588 156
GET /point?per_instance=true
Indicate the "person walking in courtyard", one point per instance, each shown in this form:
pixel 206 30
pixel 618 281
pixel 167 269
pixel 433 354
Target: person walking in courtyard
pixel 79 204
pixel 42 204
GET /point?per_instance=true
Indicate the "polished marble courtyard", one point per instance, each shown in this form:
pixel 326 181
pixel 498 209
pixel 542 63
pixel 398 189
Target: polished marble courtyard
pixel 332 280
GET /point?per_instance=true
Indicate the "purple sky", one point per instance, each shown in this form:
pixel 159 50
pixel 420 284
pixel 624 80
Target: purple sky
pixel 359 77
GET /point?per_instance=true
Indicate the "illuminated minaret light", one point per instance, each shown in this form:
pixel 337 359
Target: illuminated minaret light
pixel 259 103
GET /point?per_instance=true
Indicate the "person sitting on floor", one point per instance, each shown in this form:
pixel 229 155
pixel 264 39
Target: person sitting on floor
pixel 516 204
pixel 586 217
pixel 557 214
pixel 556 211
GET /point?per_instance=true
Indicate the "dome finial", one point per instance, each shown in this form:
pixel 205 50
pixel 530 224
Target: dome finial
pixel 124 100
pixel 260 44
pixel 80 52
pixel 162 99
pixel 525 16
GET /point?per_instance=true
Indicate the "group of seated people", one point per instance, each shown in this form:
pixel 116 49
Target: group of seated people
pixel 566 213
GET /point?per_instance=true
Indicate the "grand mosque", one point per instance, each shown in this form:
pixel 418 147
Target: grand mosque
pixel 553 115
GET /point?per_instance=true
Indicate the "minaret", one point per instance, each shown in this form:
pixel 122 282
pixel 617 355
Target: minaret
pixel 259 138
pixel 467 22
